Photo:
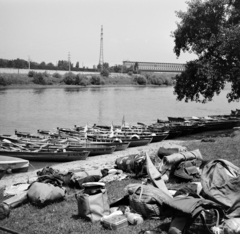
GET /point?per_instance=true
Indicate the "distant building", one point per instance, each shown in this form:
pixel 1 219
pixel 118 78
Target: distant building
pixel 154 67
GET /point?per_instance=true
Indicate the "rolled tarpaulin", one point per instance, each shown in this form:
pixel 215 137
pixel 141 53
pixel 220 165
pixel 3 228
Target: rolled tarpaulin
pixel 183 156
pixel 169 148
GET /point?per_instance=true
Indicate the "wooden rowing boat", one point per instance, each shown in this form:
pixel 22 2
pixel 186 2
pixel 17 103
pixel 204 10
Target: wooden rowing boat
pixel 119 145
pixel 67 156
pixel 94 149
pixel 13 164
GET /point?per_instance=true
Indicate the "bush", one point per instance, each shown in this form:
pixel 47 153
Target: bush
pixel 39 78
pixel 45 74
pixel 31 73
pixel 81 80
pixel 97 80
pixel 2 81
pixel 141 80
pixel 130 73
pixel 156 80
pixel 105 72
pixel 57 75
pixel 69 78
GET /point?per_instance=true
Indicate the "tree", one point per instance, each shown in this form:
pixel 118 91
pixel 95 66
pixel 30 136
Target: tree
pixel 50 66
pixel 77 65
pixel 211 30
pixel 136 67
pixel 42 65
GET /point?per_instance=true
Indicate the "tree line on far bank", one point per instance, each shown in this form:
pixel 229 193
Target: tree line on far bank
pixel 62 65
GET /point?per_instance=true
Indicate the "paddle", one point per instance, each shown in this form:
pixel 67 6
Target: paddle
pixel 9 142
pixel 141 124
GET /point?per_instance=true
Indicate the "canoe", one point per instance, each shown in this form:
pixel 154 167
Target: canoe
pixel 27 135
pixel 119 145
pixel 159 137
pixel 94 149
pixel 48 156
pixel 14 164
pixel 137 142
pixel 75 146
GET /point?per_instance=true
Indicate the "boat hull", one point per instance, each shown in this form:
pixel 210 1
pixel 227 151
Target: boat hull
pixel 14 164
pixel 137 142
pixel 119 145
pixel 48 156
pixel 94 149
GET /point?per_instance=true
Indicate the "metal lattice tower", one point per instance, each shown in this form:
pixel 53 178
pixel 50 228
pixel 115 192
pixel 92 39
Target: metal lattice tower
pixel 101 50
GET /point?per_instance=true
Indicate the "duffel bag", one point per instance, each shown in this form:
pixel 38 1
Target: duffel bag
pixel 41 194
pixel 93 201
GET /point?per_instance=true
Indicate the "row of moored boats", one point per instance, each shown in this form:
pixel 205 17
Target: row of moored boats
pixel 79 142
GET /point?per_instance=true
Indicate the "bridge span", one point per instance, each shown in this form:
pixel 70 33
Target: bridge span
pixel 154 67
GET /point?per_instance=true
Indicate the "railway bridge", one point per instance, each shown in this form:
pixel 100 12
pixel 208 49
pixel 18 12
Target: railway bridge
pixel 154 67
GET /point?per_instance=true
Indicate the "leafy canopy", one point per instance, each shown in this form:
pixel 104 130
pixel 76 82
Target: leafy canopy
pixel 211 30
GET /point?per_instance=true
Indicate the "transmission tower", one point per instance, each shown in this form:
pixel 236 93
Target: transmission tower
pixel 69 61
pixel 101 49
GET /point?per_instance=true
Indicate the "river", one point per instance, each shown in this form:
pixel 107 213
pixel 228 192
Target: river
pixel 48 108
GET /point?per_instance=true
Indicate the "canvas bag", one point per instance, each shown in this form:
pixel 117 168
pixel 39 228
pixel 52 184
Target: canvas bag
pixel 134 163
pixel 41 194
pixel 144 200
pixel 204 222
pixel 93 205
pixel 221 183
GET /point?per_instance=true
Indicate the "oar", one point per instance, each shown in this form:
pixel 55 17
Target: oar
pixel 141 124
pixel 9 230
pixel 9 142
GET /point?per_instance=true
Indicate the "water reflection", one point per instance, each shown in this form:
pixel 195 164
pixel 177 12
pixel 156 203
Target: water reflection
pixel 75 89
pixel 97 89
pixel 39 90
pixel 3 91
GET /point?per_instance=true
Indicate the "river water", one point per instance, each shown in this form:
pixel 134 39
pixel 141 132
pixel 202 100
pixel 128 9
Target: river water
pixel 47 108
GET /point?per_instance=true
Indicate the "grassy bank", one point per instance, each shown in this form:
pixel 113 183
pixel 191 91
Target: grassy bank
pixel 61 218
pixel 56 79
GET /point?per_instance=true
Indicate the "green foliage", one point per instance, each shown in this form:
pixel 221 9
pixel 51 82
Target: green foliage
pixel 97 80
pixel 210 29
pixel 39 78
pixel 46 74
pixel 31 73
pixel 81 80
pixel 105 72
pixel 2 81
pixel 69 78
pixel 57 75
pixel 139 79
pixel 130 73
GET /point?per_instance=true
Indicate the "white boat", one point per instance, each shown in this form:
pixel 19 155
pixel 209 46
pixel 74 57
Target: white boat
pixel 13 164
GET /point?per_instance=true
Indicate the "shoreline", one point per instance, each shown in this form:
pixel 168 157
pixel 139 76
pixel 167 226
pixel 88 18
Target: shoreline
pixel 92 163
pixel 54 86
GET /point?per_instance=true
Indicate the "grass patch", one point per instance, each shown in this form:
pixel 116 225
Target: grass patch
pixel 61 218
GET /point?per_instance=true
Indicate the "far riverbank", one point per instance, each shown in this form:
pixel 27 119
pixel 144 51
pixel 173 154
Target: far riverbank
pixel 34 79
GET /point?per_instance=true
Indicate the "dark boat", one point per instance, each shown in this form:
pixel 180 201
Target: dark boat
pixel 94 149
pixel 134 142
pixel 119 145
pixel 47 156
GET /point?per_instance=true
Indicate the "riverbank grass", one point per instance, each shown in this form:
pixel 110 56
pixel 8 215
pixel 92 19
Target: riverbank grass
pixel 45 79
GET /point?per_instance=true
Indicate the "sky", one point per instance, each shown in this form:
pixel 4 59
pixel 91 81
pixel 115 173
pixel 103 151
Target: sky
pixel 52 30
